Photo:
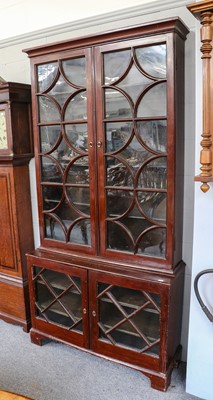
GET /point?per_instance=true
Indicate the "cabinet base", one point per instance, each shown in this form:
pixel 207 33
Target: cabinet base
pixel 14 302
pixel 16 321
pixel 159 380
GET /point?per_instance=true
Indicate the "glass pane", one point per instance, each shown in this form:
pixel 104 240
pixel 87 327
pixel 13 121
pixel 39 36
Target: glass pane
pixel 153 243
pixel 49 135
pixel 50 171
pixel 78 172
pixel 61 91
pixel 153 204
pixel 80 198
pixel 77 107
pixel 52 195
pixel 154 134
pixel 118 238
pixel 53 229
pixel 75 70
pixel 58 298
pixel 117 134
pixel 46 74
pixel 152 60
pixel 118 202
pixel 154 174
pixel 116 104
pixel 125 324
pixel 77 136
pixel 134 83
pixel 81 233
pixel 48 110
pixel 135 154
pixel 115 64
pixel 153 103
pixel 117 173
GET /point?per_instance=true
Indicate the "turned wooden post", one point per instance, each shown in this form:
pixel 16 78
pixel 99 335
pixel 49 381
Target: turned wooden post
pixel 204 12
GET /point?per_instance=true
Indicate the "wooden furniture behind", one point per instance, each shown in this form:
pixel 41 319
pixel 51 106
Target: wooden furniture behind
pixel 11 396
pixel 203 10
pixel 16 149
pixel 108 115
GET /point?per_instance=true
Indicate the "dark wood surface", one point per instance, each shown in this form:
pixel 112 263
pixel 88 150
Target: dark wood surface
pixel 15 204
pixel 97 264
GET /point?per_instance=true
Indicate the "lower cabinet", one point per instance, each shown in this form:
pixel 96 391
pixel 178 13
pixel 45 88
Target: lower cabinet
pixel 134 320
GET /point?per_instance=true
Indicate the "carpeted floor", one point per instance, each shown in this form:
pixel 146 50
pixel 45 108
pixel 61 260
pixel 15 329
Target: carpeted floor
pixel 58 372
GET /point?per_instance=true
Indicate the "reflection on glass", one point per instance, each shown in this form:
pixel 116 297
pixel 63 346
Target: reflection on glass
pixel 53 229
pixel 118 239
pixel 154 174
pixel 116 104
pixel 46 74
pixel 52 195
pixel 153 243
pixel 78 173
pixel 133 318
pixel 48 110
pixel 61 91
pixel 134 83
pixel 154 134
pixel 58 298
pixel 117 173
pixel 77 107
pixel 50 171
pixel 153 204
pixel 80 198
pixel 115 64
pixel 77 136
pixel 49 135
pixel 117 134
pixel 118 202
pixel 153 103
pixel 75 71
pixel 152 60
pixel 81 233
pixel 135 154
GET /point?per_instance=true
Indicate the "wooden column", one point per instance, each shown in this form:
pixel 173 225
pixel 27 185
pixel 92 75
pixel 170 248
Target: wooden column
pixel 204 12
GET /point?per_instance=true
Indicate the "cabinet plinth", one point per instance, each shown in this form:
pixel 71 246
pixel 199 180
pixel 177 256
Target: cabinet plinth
pixel 109 147
pixel 15 203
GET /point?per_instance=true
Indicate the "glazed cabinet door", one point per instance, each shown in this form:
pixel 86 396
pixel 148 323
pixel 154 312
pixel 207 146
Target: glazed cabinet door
pixel 65 151
pixel 126 319
pixel 59 301
pixel 136 140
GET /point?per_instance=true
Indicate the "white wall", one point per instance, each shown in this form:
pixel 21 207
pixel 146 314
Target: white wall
pixel 200 347
pixel 35 28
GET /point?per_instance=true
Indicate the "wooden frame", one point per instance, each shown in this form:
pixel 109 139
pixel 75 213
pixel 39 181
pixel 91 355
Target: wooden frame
pixel 204 12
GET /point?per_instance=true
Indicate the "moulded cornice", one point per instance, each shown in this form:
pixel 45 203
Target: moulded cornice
pixel 201 6
pixel 118 15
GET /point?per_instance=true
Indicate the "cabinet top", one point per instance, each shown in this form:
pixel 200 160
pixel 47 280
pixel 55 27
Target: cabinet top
pixel 175 25
pixel 14 91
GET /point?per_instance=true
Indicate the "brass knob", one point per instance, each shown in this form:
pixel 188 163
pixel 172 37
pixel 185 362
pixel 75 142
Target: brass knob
pixel 94 314
pixel 90 144
pixel 99 144
pixel 84 310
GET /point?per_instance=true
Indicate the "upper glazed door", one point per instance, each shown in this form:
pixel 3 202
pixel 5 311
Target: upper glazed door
pixel 135 129
pixel 65 165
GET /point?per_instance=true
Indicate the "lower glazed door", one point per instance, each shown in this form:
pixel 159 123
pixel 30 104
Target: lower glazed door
pixel 126 319
pixel 59 306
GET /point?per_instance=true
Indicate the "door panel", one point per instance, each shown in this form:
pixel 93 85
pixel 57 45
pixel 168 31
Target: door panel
pixel 131 91
pixel 66 154
pixel 126 319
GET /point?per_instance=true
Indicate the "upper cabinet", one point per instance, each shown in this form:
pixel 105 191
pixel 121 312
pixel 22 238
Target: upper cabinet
pixel 108 123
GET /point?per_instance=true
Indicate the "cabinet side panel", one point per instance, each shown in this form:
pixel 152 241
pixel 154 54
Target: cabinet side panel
pixel 179 165
pixel 7 253
pixel 175 313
